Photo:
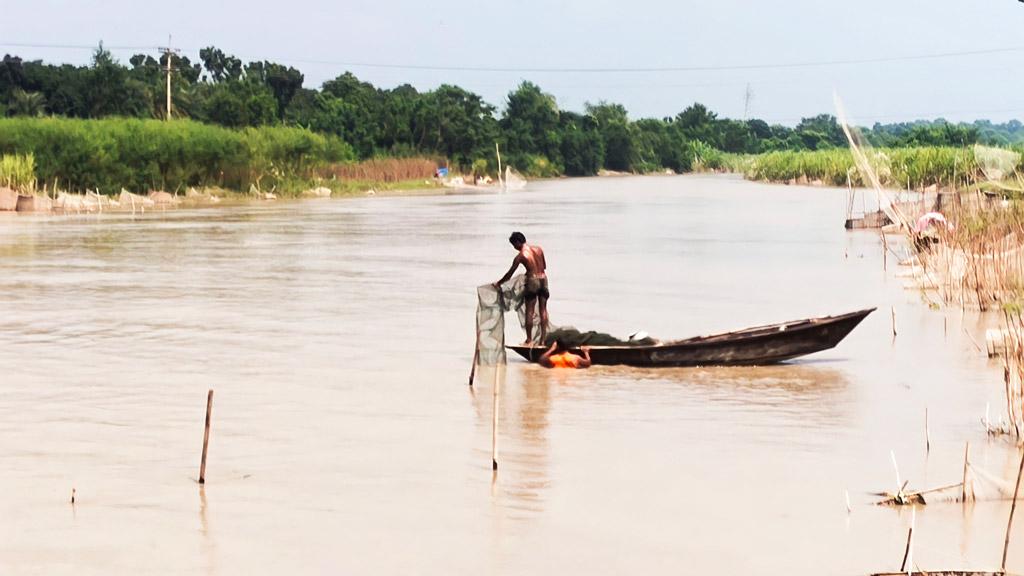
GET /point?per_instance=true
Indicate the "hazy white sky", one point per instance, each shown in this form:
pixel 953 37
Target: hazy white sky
pixel 319 37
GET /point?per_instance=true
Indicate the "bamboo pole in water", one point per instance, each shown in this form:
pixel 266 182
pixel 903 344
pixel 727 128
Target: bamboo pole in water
pixel 206 437
pixel 963 486
pixel 494 424
pixel 476 357
pixel 908 558
pixel 1009 523
pixel 927 436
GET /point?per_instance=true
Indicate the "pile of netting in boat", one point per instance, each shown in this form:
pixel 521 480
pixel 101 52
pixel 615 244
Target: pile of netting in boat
pixel 492 303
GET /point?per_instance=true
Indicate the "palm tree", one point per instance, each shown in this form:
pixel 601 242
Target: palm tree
pixel 27 103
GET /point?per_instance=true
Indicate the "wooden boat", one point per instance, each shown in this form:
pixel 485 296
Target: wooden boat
pixel 753 346
pixel 944 573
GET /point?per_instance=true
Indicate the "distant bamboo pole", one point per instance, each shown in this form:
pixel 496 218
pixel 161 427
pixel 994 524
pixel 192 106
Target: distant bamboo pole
pixel 494 424
pixel 885 252
pixel 893 309
pixel 927 436
pixel 1009 523
pixel 206 437
pixel 497 152
pixel 963 486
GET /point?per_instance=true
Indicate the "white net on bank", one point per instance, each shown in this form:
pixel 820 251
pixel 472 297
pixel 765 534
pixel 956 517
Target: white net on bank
pixel 871 165
pixel 513 180
pixel 997 164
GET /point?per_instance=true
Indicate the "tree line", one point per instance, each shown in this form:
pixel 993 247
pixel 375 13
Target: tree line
pixel 536 136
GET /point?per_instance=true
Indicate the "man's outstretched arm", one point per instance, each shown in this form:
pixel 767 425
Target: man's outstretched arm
pixel 515 264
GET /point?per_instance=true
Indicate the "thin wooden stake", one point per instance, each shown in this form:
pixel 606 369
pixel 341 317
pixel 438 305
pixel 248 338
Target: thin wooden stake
pixel 963 487
pixel 1013 508
pixel 908 558
pixel 72 495
pixel 885 253
pixel 497 152
pixel 892 455
pixel 206 437
pixel 476 358
pixel 494 424
pixel 893 309
pixel 927 436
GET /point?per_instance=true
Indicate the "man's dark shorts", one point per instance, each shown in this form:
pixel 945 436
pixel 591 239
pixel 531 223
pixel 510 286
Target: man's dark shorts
pixel 536 287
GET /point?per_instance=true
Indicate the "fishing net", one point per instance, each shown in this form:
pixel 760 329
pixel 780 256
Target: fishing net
pixel 873 167
pixel 493 303
pixel 996 163
pixel 513 181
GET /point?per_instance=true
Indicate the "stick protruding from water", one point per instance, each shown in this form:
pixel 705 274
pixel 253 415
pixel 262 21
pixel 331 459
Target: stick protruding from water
pixel 1009 523
pixel 206 437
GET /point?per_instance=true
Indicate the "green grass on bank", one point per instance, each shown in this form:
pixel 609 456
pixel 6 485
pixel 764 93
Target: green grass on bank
pixel 113 153
pixel 914 168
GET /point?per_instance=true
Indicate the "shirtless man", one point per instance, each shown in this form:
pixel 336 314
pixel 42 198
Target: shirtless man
pixel 536 291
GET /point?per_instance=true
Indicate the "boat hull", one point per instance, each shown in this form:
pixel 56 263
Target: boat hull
pixel 753 346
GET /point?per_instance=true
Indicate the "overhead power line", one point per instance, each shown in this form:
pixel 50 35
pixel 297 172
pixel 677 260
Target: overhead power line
pixel 597 70
pixel 74 46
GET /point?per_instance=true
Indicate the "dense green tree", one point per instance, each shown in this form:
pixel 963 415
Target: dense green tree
pixel 820 132
pixel 617 134
pixel 530 125
pixel 456 123
pixel 582 148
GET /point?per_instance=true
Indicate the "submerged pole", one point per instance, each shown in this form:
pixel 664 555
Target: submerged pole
pixel 494 424
pixel 206 437
pixel 908 554
pixel 1013 508
pixel 893 309
pixel 963 486
pixel 472 371
pixel 927 436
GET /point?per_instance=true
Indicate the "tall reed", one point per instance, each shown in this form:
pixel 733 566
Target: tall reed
pixel 382 169
pixel 18 171
pixel 900 168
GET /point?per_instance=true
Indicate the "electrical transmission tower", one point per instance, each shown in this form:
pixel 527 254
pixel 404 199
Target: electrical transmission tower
pixel 748 96
pixel 169 69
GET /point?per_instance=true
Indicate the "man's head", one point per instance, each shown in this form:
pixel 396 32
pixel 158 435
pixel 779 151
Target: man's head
pixel 517 239
pixel 560 345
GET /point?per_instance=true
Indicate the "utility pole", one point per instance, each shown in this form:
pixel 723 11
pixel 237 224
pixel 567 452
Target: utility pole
pixel 169 68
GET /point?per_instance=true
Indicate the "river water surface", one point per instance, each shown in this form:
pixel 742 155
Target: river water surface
pixel 338 335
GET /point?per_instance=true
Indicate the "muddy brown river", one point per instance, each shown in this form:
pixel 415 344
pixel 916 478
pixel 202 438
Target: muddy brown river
pixel 338 335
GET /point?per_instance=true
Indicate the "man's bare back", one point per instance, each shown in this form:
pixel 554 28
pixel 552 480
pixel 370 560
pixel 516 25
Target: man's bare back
pixel 532 258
